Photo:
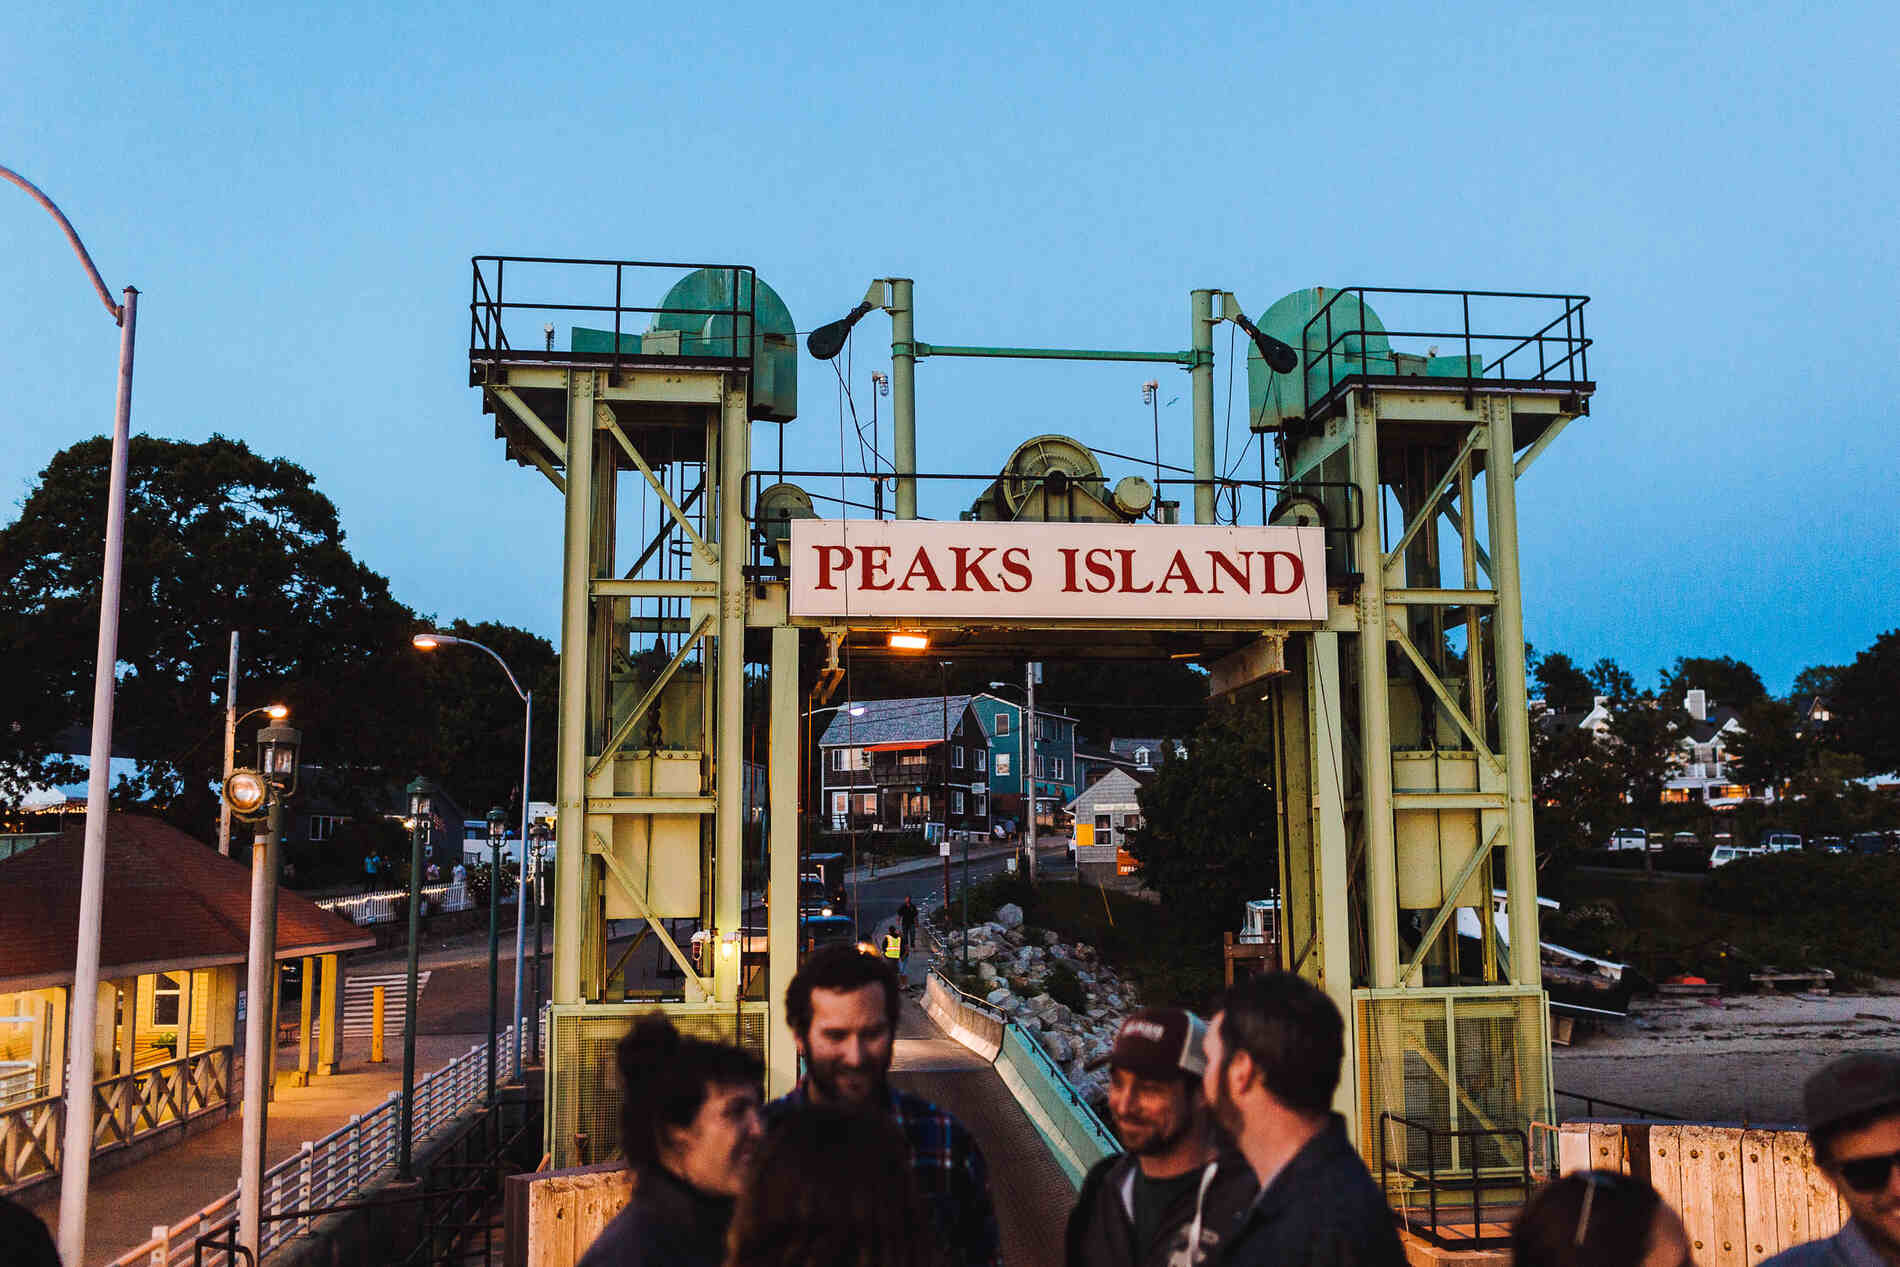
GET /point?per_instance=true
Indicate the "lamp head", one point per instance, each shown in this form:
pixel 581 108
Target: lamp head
pixel 277 748
pixel 246 792
pixel 908 642
pixel 431 640
pixel 277 712
pixel 828 340
pixel 497 826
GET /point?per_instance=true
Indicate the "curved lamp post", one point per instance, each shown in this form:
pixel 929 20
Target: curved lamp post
pixel 429 641
pixel 76 1147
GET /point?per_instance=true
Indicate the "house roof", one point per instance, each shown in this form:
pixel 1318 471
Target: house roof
pixel 1117 787
pixel 895 721
pixel 1720 717
pixel 170 902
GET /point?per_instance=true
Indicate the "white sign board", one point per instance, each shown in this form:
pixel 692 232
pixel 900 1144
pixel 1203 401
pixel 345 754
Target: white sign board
pixel 1056 571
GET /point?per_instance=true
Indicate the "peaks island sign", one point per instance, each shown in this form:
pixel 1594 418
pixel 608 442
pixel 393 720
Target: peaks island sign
pixel 1056 571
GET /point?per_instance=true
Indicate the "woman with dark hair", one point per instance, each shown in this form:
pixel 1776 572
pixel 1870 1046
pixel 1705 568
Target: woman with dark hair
pixel 689 1125
pixel 1598 1218
pixel 832 1188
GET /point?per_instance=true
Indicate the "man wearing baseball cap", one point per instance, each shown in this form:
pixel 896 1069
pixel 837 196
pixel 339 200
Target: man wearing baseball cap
pixel 1171 1198
pixel 1853 1112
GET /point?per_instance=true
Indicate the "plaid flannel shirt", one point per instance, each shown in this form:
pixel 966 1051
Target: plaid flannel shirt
pixel 952 1177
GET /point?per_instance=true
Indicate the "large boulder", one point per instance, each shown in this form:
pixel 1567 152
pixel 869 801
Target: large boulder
pixel 981 950
pixel 1000 997
pixel 1009 915
pixel 1050 939
pixel 1057 1044
pixel 986 971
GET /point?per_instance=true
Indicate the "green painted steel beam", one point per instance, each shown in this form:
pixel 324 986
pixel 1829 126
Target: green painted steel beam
pixel 919 349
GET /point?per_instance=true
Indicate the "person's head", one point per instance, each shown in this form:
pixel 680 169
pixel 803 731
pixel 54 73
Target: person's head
pixel 1274 1045
pixel 832 1187
pixel 688 1105
pixel 842 1010
pixel 1597 1218
pixel 1154 1080
pixel 1853 1112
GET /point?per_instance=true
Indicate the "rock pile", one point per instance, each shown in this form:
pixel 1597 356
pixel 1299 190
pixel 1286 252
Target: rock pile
pixel 1012 971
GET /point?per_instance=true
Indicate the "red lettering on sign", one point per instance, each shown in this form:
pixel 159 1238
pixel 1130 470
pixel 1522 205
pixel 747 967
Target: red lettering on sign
pixel 1128 575
pixel 826 564
pixel 1016 563
pixel 969 569
pixel 1100 568
pixel 1299 571
pixel 920 566
pixel 872 564
pixel 1219 562
pixel 1178 570
pixel 1068 554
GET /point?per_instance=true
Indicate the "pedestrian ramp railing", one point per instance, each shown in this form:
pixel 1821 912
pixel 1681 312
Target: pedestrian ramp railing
pixel 1076 1137
pixel 1744 1194
pixel 385 906
pixel 330 1170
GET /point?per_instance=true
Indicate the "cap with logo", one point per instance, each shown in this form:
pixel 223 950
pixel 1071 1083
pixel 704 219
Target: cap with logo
pixel 1160 1042
pixel 1851 1087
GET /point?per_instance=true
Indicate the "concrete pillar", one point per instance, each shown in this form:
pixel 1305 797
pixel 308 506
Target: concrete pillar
pixel 735 457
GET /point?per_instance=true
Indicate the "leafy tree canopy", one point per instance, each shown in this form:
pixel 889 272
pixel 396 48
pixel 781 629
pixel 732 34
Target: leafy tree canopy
pixel 1209 839
pixel 1564 686
pixel 1819 679
pixel 1725 679
pixel 1868 702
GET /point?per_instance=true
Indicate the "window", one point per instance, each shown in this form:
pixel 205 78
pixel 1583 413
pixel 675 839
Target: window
pixel 835 759
pixel 840 804
pixel 956 756
pixel 956 802
pixel 867 804
pixel 1042 766
pixel 1002 765
pixel 915 757
pixel 166 991
pixel 323 826
pixel 1002 723
pixel 982 760
pixel 982 805
pixel 1141 757
pixel 850 759
pixel 1059 766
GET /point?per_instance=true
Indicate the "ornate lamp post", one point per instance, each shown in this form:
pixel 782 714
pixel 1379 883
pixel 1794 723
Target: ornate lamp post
pixel 251 794
pixel 497 832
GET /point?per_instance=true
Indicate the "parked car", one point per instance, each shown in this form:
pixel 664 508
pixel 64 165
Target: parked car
pixel 1629 838
pixel 1830 844
pixel 1869 842
pixel 1684 840
pixel 1722 855
pixel 1780 841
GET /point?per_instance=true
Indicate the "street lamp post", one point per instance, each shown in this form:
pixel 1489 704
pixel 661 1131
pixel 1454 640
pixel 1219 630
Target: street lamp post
pixel 540 844
pixel 421 792
pixel 850 710
pixel 74 1178
pixel 429 642
pixel 250 793
pixel 497 832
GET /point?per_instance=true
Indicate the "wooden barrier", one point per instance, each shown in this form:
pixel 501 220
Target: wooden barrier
pixel 554 1215
pixel 1744 1194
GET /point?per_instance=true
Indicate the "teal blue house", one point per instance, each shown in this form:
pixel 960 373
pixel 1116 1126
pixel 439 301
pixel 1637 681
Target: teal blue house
pixel 1056 778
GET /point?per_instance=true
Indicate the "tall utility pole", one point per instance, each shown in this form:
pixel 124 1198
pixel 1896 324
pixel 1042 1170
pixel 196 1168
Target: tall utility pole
pixel 230 740
pixel 1029 759
pixel 76 1145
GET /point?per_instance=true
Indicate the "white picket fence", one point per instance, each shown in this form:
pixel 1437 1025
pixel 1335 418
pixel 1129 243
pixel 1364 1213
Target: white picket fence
pixel 330 1170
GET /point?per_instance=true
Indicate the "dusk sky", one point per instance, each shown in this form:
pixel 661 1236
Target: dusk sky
pixel 297 192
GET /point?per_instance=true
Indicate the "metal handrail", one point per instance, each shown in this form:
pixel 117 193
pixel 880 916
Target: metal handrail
pixel 1475 1172
pixel 1574 342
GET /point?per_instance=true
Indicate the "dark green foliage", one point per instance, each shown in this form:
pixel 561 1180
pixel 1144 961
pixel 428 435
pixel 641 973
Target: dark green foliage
pixel 1868 702
pixel 477 883
pixel 1562 684
pixel 1802 909
pixel 1819 679
pixel 1769 751
pixel 1725 679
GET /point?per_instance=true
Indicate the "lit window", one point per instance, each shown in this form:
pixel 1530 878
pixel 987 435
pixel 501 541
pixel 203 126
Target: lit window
pixel 1002 765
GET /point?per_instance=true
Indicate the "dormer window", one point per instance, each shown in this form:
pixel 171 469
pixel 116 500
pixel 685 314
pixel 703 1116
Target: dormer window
pixel 1141 757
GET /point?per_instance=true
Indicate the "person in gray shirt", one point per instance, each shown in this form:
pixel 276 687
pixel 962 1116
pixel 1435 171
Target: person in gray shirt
pixel 1853 1112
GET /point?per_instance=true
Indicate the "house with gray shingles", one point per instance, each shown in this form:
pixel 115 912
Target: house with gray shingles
pixel 906 765
pixel 1106 815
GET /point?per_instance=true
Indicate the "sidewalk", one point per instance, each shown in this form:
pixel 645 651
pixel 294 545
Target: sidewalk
pixel 123 1207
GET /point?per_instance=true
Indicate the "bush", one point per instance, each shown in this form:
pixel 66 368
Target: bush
pixel 1062 985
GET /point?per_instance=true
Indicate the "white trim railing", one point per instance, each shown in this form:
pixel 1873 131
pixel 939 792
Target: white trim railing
pixel 330 1170
pixel 385 906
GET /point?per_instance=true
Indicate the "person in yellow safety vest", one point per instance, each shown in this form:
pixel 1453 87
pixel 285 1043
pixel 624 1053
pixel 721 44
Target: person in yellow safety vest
pixel 893 944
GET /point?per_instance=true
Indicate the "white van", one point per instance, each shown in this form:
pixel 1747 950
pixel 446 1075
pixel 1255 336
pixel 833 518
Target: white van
pixel 1781 842
pixel 1722 855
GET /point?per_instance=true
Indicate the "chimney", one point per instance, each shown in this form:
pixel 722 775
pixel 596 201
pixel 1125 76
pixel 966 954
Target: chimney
pixel 1696 703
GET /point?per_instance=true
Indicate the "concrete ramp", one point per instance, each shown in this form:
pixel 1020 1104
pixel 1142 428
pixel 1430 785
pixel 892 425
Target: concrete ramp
pixel 1032 1193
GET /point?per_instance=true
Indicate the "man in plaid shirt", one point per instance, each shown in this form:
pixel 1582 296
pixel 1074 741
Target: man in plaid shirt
pixel 842 1008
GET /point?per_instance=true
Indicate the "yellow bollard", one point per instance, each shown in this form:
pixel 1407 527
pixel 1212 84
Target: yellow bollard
pixel 376 1026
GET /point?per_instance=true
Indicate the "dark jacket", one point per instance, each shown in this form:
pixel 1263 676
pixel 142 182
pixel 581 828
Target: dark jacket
pixel 1102 1225
pixel 666 1224
pixel 1322 1210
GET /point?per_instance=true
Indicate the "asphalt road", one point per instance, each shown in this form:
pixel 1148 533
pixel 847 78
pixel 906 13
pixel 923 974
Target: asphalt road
pixel 878 900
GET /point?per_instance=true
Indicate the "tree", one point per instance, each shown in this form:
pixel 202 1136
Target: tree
pixel 1642 736
pixel 1769 751
pixel 1576 787
pixel 1209 838
pixel 1819 679
pixel 1564 686
pixel 1725 679
pixel 1868 701
pixel 477 719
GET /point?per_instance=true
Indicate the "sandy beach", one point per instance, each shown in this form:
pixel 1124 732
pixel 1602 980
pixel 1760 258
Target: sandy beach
pixel 1734 1059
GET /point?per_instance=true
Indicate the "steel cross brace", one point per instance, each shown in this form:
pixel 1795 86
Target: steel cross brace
pixel 1458 884
pixel 628 882
pixel 1445 701
pixel 1428 509
pixel 625 729
pixel 604 417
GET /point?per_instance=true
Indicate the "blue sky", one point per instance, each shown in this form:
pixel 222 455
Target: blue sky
pixel 296 193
